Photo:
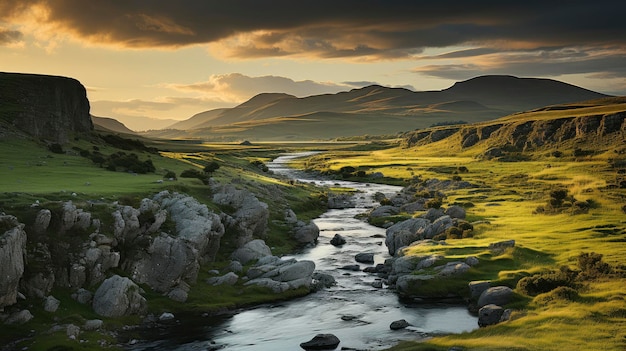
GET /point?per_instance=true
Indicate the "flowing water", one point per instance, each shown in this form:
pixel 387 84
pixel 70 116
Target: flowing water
pixel 357 313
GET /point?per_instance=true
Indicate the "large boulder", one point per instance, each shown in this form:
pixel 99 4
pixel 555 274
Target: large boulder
pixel 403 233
pixel 118 296
pixel 281 275
pixel 252 250
pixel 250 216
pixel 498 295
pixel 195 223
pixel 167 262
pixel 489 315
pixel 306 233
pixel 12 259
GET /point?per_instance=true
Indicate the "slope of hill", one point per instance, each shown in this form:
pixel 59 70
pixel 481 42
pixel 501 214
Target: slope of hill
pixel 386 110
pixel 110 125
pixel 595 125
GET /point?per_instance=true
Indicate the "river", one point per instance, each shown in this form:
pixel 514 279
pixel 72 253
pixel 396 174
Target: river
pixel 357 313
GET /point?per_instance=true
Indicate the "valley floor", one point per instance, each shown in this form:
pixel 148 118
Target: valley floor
pixel 515 201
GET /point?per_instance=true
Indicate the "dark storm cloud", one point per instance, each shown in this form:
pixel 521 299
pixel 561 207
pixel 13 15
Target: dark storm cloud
pixel 347 28
pixel 604 65
pixel 9 36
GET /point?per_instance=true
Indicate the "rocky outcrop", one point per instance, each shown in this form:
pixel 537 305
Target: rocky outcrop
pixel 12 252
pixel 527 134
pixel 281 275
pixel 249 216
pixel 46 107
pixel 171 259
pixel 118 296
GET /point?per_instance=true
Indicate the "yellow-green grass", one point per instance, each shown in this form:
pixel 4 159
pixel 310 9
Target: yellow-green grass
pixel 507 195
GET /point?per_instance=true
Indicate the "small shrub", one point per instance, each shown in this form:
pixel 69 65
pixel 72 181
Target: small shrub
pixel 591 266
pixel 462 169
pixel 624 209
pixel 454 233
pixel 561 293
pixel 214 166
pixel 56 148
pixel 545 282
pixel 457 178
pixel 169 175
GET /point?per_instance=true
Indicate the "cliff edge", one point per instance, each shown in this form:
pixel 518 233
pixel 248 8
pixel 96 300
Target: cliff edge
pixel 48 107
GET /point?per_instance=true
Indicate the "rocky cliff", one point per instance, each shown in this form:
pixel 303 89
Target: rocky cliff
pixel 545 127
pixel 48 107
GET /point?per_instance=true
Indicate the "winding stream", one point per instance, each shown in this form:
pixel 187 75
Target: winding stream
pixel 367 312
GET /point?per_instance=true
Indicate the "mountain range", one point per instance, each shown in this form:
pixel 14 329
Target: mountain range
pixel 373 110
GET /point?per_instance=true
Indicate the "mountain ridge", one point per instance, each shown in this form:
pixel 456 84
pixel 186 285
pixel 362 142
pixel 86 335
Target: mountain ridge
pixel 473 100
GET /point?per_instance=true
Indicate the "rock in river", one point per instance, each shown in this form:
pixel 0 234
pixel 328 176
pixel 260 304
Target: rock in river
pixel 321 342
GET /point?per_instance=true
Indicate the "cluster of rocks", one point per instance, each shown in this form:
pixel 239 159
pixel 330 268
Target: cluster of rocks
pixel 489 300
pixel 160 244
pixel 279 275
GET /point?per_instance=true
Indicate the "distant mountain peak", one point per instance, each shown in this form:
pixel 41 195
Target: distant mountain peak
pixel 265 98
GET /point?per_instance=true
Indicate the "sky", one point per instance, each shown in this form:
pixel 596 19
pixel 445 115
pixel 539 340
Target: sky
pixel 148 62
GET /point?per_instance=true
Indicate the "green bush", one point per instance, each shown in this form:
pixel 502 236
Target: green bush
pixel 545 282
pixel 56 148
pixel 591 266
pixel 212 167
pixel 169 175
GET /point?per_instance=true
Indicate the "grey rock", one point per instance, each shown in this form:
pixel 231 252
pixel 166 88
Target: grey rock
pixel 306 233
pixel 456 212
pixel 378 284
pixel 229 278
pixel 432 214
pixel 407 283
pixel 179 293
pixel 351 267
pixel 298 270
pixel 252 250
pixel 118 296
pixel 168 261
pixel 364 257
pixel 93 324
pixel 321 342
pixel 498 295
pixel 166 317
pixel 339 201
pixel 413 207
pixel 489 315
pixel 399 324
pixel 472 261
pixel 12 259
pixel 404 233
pixel 477 288
pixel 323 280
pixel 83 296
pixel 384 211
pixel 235 266
pixel 251 215
pixel 42 221
pixel 72 331
pixel 51 304
pixel 453 268
pixel 337 240
pixel 19 317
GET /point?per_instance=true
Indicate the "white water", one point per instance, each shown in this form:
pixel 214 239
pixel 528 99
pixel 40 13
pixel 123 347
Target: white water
pixel 285 325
